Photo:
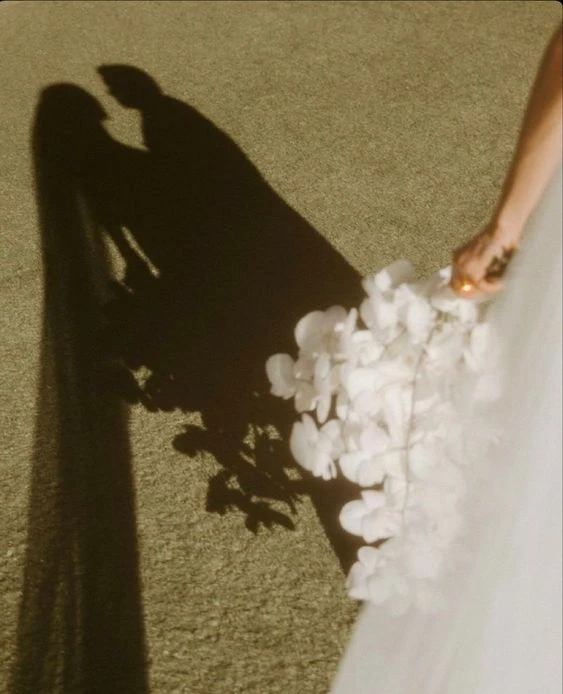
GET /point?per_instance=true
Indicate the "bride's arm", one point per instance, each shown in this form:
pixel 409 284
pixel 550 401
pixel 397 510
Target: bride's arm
pixel 536 156
pixel 539 146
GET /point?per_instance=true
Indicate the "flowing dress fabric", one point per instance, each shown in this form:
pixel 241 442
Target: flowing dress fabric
pixel 501 630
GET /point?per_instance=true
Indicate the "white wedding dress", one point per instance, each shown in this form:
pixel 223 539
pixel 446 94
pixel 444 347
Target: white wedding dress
pixel 501 631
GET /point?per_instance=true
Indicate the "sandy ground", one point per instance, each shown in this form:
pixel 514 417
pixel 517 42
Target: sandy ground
pixel 154 534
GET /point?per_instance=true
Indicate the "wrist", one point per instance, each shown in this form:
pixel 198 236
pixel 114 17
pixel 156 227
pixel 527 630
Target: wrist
pixel 505 231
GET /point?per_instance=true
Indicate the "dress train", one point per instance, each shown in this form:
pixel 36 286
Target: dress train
pixel 501 630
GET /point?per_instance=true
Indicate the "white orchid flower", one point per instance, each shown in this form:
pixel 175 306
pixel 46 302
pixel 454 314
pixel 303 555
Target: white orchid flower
pixel 362 468
pixel 356 582
pixel 322 381
pixel 380 586
pixel 393 275
pixel 304 368
pixel 345 331
pixel 415 313
pixel 360 380
pixel 376 579
pixel 305 397
pixel 366 350
pixel 395 464
pixel 396 412
pixel 448 302
pixel 384 312
pixel 445 349
pixel 366 406
pixel 316 450
pixel 362 350
pixel 279 369
pixel 342 405
pixel 365 465
pixel 419 320
pixel 370 518
pixel 380 315
pixel 445 275
pixel 353 513
pixel 315 332
pixel 398 371
pixel 397 492
pixel 427 393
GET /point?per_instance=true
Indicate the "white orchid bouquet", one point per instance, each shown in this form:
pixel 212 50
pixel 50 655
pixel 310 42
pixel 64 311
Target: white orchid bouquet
pixel 384 394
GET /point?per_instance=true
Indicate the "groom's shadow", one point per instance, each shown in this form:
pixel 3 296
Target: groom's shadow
pixel 218 269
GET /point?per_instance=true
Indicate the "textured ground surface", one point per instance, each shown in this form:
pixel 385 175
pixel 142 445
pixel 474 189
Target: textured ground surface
pixel 372 130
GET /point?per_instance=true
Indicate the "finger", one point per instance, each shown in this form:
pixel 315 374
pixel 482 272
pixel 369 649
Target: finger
pixel 463 288
pixel 467 293
pixel 459 277
pixel 458 287
pixel 484 286
pixel 462 284
pixel 471 277
pixel 488 286
pixel 470 289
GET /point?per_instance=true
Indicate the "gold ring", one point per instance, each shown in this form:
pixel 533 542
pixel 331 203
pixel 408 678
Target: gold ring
pixel 466 286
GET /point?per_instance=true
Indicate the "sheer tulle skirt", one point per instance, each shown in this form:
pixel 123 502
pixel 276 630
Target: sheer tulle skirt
pixel 501 631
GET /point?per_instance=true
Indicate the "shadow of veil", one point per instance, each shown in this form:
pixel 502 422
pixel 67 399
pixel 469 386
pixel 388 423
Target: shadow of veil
pixel 80 627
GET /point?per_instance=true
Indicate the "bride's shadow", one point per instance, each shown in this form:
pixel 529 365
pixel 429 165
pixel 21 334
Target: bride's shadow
pixel 218 269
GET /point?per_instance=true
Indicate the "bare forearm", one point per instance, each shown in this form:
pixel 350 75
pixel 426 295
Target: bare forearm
pixel 539 146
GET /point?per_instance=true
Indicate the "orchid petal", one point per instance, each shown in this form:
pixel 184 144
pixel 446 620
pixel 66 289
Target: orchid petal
pixel 305 397
pixel 351 517
pixel 309 331
pixel 279 369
